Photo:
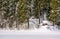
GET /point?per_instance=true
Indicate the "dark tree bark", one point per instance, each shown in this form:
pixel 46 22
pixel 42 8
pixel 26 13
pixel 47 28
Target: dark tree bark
pixel 39 12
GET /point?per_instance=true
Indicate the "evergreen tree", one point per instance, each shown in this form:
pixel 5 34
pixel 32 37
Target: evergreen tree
pixel 53 14
pixel 24 11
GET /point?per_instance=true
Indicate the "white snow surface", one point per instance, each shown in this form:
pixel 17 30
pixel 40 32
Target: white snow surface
pixel 41 30
pixel 41 33
pixel 45 31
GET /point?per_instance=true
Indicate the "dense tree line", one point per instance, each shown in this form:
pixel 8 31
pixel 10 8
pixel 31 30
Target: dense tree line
pixel 16 12
pixel 54 14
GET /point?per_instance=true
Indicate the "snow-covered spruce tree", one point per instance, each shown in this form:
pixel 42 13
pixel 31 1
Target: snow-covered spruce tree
pixel 36 9
pixel 9 10
pixel 12 12
pixel 53 13
pixel 23 11
pixel 7 13
pixel 58 11
pixel 15 8
pixel 1 15
pixel 5 9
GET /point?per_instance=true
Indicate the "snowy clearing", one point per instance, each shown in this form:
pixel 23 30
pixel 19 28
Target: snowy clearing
pixel 42 33
pixel 45 31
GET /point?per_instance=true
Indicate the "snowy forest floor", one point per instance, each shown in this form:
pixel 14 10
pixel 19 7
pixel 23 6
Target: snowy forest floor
pixel 41 30
pixel 44 26
pixel 41 33
pixel 45 31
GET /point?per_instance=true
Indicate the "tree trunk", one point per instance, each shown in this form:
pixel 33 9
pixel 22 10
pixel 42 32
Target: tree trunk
pixel 39 13
pixel 28 23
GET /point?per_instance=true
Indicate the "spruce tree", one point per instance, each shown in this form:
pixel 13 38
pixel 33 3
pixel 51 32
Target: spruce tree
pixel 53 13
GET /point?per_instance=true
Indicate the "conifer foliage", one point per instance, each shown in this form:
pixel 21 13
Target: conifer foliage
pixel 13 13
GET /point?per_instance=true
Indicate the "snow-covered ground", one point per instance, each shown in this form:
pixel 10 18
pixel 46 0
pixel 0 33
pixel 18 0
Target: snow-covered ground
pixel 42 33
pixel 45 31
pixel 42 30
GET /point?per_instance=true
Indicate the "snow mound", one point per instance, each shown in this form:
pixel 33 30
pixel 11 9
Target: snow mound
pixel 49 25
pixel 45 22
